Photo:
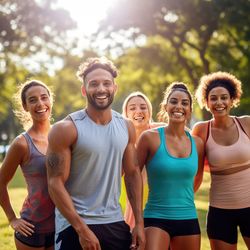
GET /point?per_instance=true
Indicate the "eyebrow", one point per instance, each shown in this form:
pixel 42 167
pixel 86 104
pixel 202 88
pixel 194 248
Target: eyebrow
pixel 186 99
pixel 141 104
pixel 220 95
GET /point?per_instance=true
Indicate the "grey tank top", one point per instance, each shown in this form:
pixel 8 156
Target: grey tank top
pixel 94 182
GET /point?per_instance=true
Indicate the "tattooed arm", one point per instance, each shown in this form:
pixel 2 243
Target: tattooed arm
pixel 61 137
pixel 133 182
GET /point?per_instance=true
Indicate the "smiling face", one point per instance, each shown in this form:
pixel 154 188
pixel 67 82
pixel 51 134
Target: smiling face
pixel 138 112
pixel 178 107
pixel 38 103
pixel 99 88
pixel 219 101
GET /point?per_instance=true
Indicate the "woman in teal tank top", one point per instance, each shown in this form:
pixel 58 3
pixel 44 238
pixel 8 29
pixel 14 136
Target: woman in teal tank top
pixel 174 165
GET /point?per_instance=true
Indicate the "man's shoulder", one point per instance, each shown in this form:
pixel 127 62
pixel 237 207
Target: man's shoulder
pixel 77 115
pixel 117 115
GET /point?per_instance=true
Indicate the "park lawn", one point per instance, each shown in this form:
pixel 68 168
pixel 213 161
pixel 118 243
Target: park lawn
pixel 18 192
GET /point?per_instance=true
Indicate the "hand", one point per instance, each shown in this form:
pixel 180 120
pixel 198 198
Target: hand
pixel 88 240
pixel 138 238
pixel 22 226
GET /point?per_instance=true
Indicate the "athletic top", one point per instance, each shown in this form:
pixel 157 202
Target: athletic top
pixel 171 180
pixel 229 191
pixel 38 208
pixel 94 181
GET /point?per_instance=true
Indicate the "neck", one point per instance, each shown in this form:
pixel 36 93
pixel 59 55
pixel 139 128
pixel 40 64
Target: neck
pixel 222 122
pixel 41 128
pixel 101 117
pixel 176 129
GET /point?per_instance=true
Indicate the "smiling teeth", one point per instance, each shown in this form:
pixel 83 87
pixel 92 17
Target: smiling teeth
pixel 138 118
pixel 41 111
pixel 178 114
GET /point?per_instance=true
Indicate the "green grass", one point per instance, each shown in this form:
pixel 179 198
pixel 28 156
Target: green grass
pixel 18 191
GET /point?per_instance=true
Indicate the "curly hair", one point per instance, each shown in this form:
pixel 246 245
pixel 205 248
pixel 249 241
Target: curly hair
pixel 218 79
pixel 175 86
pixel 93 63
pixel 20 101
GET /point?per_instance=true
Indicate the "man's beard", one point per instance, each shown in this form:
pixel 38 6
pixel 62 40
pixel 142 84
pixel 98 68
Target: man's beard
pixel 100 106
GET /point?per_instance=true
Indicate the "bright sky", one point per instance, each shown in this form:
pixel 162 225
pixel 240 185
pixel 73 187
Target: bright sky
pixel 87 13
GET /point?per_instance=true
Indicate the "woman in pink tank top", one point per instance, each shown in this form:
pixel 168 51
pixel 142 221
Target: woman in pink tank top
pixel 138 109
pixel 34 101
pixel 227 143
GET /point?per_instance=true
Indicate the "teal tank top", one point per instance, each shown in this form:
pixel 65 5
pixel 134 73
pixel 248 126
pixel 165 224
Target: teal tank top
pixel 170 180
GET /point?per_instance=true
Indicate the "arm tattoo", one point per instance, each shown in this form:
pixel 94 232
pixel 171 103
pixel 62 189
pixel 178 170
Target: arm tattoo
pixel 54 164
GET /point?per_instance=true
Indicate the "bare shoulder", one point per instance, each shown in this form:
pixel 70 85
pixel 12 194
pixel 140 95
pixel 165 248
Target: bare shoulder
pixel 63 132
pixel 244 119
pixel 17 154
pixel 199 142
pixel 19 145
pixel 200 128
pixel 157 124
pixel 150 134
pixel 245 122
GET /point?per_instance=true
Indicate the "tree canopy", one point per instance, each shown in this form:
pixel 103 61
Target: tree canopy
pixel 200 36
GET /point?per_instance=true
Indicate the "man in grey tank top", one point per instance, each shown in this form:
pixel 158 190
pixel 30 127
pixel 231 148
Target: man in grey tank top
pixel 87 153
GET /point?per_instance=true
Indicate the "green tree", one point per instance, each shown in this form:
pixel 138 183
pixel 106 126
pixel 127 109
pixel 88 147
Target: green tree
pixel 28 29
pixel 202 36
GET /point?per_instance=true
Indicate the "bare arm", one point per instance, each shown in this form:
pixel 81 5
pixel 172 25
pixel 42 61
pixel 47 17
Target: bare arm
pixel 61 137
pixel 16 154
pixel 199 174
pixel 133 182
pixel 200 129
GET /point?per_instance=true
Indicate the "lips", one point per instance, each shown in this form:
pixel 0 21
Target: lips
pixel 41 111
pixel 139 118
pixel 178 114
pixel 219 109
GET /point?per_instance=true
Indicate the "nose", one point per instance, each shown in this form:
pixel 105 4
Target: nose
pixel 219 101
pixel 179 105
pixel 138 110
pixel 39 102
pixel 101 87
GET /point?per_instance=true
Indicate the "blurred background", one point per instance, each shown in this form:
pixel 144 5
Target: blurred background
pixel 152 42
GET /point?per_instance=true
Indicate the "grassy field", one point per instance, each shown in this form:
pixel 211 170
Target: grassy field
pixel 18 192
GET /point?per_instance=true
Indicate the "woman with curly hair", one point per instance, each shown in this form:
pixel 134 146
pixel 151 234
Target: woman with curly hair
pixel 227 148
pixel 35 227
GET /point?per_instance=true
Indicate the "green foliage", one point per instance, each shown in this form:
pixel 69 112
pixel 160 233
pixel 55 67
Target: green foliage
pixel 200 37
pixel 28 28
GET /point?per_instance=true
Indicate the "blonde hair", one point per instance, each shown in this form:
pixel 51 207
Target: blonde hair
pixel 20 101
pixel 137 94
pixel 218 79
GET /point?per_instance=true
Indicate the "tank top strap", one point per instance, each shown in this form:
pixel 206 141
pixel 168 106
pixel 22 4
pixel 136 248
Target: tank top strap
pixel 28 139
pixel 193 145
pixel 32 147
pixel 241 130
pixel 161 134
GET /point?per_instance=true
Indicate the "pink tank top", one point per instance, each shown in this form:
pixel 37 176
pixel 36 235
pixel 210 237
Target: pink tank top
pixel 230 191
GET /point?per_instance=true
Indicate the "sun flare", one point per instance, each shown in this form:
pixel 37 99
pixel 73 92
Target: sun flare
pixel 87 13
